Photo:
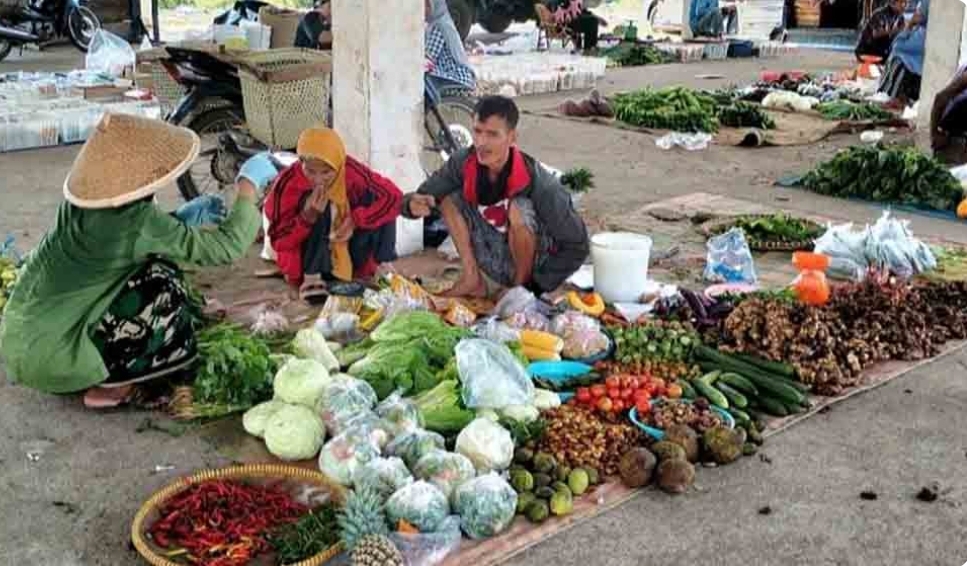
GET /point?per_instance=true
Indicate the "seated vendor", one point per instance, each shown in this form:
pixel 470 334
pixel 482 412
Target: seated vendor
pixel 904 68
pixel 330 216
pixel 101 303
pixel 581 23
pixel 948 120
pixel 880 30
pixel 707 19
pixel 512 221
pixel 315 28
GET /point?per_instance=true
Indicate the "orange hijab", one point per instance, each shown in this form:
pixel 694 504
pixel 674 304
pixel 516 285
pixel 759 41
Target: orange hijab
pixel 325 145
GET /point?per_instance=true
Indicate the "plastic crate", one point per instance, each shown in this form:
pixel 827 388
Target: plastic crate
pixel 716 51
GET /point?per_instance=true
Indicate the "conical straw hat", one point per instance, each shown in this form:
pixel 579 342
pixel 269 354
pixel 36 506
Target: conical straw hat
pixel 128 158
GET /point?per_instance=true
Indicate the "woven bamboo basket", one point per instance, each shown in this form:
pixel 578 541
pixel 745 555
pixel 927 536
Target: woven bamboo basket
pixel 307 486
pixel 285 91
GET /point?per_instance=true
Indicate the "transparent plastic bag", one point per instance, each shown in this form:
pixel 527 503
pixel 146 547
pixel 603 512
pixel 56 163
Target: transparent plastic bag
pixel 487 444
pixel 486 506
pixel 492 377
pixel 343 400
pixel 514 301
pixel 495 330
pixel 729 259
pixel 571 321
pixel 413 445
pixel 380 431
pixel 689 142
pixel 430 549
pixel 342 456
pixel 109 54
pixel 386 476
pixel 585 343
pixel 446 470
pixel 420 504
pixel 402 415
pixel 528 320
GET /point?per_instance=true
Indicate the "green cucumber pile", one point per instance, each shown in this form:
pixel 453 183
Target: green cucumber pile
pixel 676 108
pixel 854 111
pixel 748 387
pixel 745 115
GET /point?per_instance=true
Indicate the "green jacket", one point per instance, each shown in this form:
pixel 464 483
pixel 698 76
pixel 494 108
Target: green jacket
pixel 70 279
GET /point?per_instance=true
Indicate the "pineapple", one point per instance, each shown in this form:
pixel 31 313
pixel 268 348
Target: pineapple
pixel 362 515
pixel 376 550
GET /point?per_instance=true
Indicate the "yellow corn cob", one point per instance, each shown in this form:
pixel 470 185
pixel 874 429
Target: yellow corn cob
pixel 538 355
pixel 541 341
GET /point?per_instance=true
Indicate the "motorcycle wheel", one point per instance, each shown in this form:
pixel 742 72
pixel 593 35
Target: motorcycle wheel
pixel 82 24
pixel 457 115
pixel 5 48
pixel 207 174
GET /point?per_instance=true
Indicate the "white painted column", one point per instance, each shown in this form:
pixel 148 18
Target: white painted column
pixel 941 53
pixel 378 92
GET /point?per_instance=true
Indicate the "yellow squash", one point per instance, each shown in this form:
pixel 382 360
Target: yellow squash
pixel 591 304
pixel 962 209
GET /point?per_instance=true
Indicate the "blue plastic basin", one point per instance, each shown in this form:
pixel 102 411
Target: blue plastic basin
pixel 659 434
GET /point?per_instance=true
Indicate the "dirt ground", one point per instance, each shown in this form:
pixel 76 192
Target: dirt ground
pixel 71 480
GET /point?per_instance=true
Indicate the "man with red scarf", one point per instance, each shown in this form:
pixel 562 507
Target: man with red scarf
pixel 512 221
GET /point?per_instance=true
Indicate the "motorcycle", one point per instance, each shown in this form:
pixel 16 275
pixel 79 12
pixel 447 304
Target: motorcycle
pixel 42 21
pixel 212 107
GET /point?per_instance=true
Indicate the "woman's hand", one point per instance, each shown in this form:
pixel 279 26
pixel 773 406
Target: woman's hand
pixel 344 231
pixel 318 200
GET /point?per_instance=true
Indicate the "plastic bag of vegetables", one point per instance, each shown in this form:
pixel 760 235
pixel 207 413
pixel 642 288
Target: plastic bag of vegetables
pixel 294 432
pixel 380 430
pixel 487 444
pixel 344 399
pixel 486 506
pixel 446 470
pixel 492 377
pixel 413 445
pixel 386 476
pixel 301 382
pixel 310 344
pixel 402 415
pixel 420 504
pixel 347 452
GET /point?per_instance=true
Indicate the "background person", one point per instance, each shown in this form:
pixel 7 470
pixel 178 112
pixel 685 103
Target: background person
pixel 880 30
pixel 904 68
pixel 315 28
pixel 447 63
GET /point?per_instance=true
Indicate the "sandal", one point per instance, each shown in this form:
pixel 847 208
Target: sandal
pixel 313 288
pixel 99 398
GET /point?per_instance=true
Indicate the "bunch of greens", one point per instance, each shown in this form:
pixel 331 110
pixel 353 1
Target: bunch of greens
pixel 236 368
pixel 393 366
pixel 777 227
pixel 578 180
pixel 442 408
pixel 628 54
pixel 315 532
pixel 745 115
pixel 676 108
pixel 854 111
pixel 887 174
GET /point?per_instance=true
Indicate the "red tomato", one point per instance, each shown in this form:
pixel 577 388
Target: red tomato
pixel 598 391
pixel 612 381
pixel 618 405
pixel 643 406
pixel 649 387
pixel 583 395
pixel 642 394
pixel 627 393
pixel 614 393
pixel 659 383
pixel 634 382
pixel 605 405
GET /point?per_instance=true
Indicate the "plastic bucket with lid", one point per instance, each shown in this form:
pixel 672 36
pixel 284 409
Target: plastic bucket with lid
pixel 620 265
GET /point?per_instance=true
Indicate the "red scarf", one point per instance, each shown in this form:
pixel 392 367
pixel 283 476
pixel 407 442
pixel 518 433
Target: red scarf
pixel 497 214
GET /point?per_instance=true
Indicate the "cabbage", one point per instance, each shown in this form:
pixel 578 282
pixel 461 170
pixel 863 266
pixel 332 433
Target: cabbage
pixel 255 419
pixel 407 326
pixel 446 470
pixel 487 444
pixel 386 476
pixel 420 504
pixel 486 506
pixel 344 454
pixel 294 432
pixel 521 413
pixel 310 344
pixel 545 400
pixel 301 382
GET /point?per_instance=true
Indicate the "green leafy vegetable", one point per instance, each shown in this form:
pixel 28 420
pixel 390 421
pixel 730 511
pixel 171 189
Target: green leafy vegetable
pixel 628 54
pixel 745 115
pixel 674 108
pixel 313 533
pixel 578 180
pixel 846 110
pixel 407 326
pixel 236 368
pixel 394 366
pixel 354 352
pixel 442 408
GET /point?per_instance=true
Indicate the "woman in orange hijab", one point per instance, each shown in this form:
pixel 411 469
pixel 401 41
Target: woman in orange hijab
pixel 330 216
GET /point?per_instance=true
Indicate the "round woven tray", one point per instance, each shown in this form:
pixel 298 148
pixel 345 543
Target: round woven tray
pixel 719 226
pixel 310 484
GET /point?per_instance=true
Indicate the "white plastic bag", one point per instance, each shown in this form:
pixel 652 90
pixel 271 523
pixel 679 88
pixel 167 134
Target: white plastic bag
pixel 729 259
pixel 342 456
pixel 688 141
pixel 486 506
pixel 110 54
pixel 492 377
pixel 487 444
pixel 429 549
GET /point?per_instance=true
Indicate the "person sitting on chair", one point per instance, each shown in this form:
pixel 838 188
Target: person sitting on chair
pixel 512 221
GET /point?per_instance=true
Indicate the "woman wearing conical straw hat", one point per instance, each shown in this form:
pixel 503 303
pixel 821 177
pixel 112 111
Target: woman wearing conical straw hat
pixel 100 304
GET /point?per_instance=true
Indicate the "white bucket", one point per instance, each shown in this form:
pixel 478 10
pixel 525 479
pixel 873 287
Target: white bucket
pixel 620 265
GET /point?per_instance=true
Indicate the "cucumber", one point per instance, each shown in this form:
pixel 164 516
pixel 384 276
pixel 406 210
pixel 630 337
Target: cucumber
pixel 794 409
pixel 777 368
pixel 772 406
pixel 729 363
pixel 736 399
pixel 741 417
pixel 713 395
pixel 736 381
pixel 688 392
pixel 710 377
pixel 780 389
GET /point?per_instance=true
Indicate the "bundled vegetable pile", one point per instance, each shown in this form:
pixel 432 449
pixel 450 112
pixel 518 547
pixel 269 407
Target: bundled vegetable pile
pixel 578 179
pixel 745 115
pixel 314 533
pixel 853 111
pixel 674 108
pixel 887 174
pixel 766 232
pixel 8 277
pixel 636 55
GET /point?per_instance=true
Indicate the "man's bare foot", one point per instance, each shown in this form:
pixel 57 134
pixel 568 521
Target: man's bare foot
pixel 467 287
pixel 107 398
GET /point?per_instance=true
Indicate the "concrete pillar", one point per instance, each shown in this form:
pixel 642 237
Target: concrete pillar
pixel 378 92
pixel 941 54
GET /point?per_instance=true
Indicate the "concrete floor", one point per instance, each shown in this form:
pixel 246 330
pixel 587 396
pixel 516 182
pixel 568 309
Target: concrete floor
pixel 71 480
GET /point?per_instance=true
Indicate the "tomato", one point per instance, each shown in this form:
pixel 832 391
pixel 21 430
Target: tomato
pixel 643 406
pixel 674 391
pixel 640 394
pixel 583 395
pixel 618 405
pixel 634 382
pixel 649 387
pixel 627 393
pixel 605 405
pixel 612 381
pixel 614 393
pixel 659 383
pixel 598 391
